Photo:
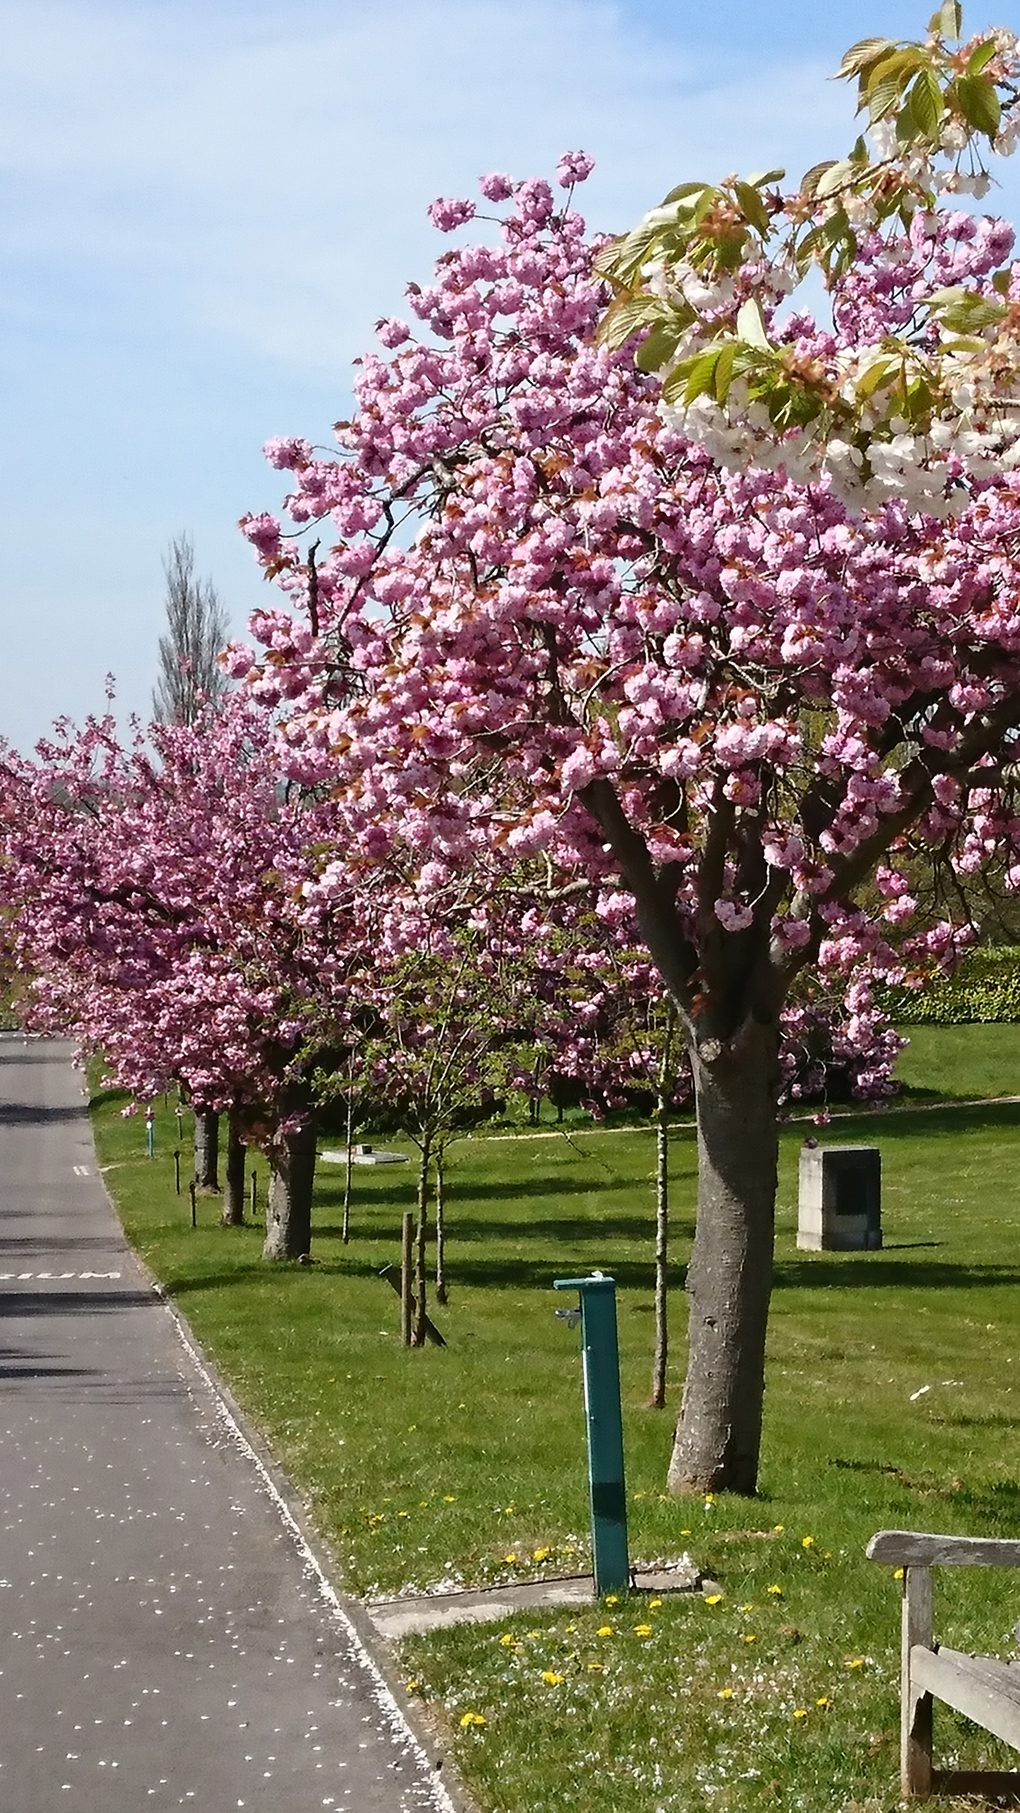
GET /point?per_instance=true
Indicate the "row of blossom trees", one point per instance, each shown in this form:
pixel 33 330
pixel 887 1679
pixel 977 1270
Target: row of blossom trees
pixel 702 601
pixel 669 636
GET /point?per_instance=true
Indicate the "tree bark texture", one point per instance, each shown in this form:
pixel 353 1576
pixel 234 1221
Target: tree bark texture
pixel 419 1337
pixel 207 1150
pixel 349 1171
pixel 657 1397
pixel 729 1279
pixel 664 1086
pixel 233 1186
pixel 289 1200
pixel 441 1296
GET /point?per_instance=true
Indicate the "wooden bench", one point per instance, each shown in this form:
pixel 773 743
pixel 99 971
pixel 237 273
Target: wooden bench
pixel 982 1688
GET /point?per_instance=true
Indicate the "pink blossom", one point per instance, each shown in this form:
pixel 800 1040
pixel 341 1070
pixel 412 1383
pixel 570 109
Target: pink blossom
pixel 496 187
pixel 574 167
pixel 447 214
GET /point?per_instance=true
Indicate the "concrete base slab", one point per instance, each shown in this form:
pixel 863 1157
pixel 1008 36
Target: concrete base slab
pixel 397 1618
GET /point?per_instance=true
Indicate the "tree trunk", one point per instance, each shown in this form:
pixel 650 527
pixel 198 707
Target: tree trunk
pixel 421 1315
pixel 729 1279
pixel 664 1084
pixel 348 1175
pixel 233 1190
pixel 207 1150
pixel 289 1200
pixel 441 1296
pixel 657 1399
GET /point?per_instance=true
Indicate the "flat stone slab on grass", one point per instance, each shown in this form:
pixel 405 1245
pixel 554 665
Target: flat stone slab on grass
pixel 365 1155
pixel 397 1618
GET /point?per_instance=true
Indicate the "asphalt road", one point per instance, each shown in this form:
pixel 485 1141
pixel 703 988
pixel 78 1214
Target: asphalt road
pixel 163 1639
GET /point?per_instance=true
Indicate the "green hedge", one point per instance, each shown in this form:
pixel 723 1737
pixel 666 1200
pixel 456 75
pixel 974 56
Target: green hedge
pixel 986 986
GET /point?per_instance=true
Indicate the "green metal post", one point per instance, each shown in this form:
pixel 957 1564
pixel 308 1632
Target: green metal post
pixel 605 1427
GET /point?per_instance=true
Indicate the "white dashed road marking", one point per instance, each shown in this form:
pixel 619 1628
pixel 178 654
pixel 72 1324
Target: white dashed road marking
pixel 5 1277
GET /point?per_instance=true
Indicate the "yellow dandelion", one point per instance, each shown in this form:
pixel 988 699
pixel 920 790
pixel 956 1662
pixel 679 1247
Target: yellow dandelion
pixel 412 1686
pixel 508 1510
pixel 552 1679
pixel 807 1542
pixel 823 1701
pixel 569 1629
pixel 471 1718
pixel 750 1637
pixel 604 1630
pixel 596 1668
pixel 725 1693
pixel 612 1599
pixel 654 1604
pixel 776 1591
pixel 747 1608
pixel 540 1554
pixel 713 1598
pixel 533 1633
pixel 898 1573
pixel 685 1532
pixel 709 1500
pixel 855 1662
pixel 508 1639
pixel 642 1630
pixel 511 1558
pixel 800 1713
pixel 448 1498
pixel 778 1528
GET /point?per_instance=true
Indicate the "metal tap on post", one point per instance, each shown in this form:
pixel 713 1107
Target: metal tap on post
pixel 601 1366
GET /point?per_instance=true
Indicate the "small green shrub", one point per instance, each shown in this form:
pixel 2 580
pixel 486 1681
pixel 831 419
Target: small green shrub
pixel 986 986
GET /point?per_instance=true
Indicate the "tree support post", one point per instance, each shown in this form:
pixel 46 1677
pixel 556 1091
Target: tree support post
pixel 604 1416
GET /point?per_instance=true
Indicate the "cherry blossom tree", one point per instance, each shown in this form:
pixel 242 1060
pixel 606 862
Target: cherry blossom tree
pixel 746 697
pixel 156 897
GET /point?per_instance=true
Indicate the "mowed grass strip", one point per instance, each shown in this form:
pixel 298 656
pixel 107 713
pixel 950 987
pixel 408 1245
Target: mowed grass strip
pixel 891 1403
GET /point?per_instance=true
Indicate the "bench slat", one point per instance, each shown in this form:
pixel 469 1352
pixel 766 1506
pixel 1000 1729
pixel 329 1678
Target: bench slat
pixel 914 1548
pixel 990 1699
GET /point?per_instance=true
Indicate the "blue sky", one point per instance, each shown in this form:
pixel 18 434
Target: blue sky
pixel 206 204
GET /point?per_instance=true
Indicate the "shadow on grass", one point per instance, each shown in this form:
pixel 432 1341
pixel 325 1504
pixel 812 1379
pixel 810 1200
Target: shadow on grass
pixel 595 1229
pixel 875 1272
pixel 495 1274
pixel 986 1117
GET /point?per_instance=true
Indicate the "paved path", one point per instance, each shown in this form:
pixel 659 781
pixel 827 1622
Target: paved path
pixel 163 1641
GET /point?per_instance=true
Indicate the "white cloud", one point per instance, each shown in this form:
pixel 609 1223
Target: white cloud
pixel 270 187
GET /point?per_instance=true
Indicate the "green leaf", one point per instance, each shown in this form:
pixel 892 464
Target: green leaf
pixel 948 21
pixel 724 370
pixel 658 348
pixel 883 98
pixel 624 317
pixel 701 374
pixel 761 177
pixel 926 103
pixel 682 190
pixel 876 375
pixel 860 55
pixel 751 327
pixel 979 104
pixel 1001 282
pixel 754 208
pixel 901 64
pixel 674 384
pixel 834 177
pixel 981 55
pixel 963 311
pixel 810 180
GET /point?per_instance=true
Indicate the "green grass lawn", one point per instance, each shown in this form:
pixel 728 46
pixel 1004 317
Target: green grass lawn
pixel 467 1464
